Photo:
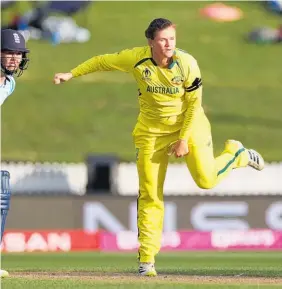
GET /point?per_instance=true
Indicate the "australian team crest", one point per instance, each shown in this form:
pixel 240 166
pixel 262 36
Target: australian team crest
pixel 146 74
pixel 177 80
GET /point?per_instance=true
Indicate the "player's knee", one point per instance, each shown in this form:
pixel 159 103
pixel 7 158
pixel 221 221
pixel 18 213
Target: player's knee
pixel 205 183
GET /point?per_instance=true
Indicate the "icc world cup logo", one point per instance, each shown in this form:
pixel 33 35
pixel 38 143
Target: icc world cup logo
pixel 146 74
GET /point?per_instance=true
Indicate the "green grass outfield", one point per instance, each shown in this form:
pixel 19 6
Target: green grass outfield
pixel 96 113
pixel 178 270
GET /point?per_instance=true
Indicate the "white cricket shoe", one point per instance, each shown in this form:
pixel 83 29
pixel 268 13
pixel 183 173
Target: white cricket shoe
pixel 147 269
pixel 3 273
pixel 256 161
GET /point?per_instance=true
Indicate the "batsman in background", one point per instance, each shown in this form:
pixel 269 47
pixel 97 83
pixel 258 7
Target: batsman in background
pixel 171 121
pixel 13 61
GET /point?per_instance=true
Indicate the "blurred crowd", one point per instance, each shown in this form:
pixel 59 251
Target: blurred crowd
pixel 49 20
pixel 54 20
pixel 267 34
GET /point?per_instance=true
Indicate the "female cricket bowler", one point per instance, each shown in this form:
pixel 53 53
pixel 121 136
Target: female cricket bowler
pixel 13 61
pixel 171 121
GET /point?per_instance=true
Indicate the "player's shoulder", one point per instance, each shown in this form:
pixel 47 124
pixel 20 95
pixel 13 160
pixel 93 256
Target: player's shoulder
pixel 10 78
pixel 11 83
pixel 185 56
pixel 141 54
pixel 141 50
pixel 136 51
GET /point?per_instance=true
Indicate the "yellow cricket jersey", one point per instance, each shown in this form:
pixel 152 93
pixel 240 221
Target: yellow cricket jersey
pixel 169 98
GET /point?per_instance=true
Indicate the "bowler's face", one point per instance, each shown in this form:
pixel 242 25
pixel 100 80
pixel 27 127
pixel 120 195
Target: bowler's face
pixel 164 42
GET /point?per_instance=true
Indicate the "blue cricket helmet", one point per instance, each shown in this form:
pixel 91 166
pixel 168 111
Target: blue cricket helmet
pixel 12 40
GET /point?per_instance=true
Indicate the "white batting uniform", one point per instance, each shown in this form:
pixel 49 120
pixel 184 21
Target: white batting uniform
pixel 7 88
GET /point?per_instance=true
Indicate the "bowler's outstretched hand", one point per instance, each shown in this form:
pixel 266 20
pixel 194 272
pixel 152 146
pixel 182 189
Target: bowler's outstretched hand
pixel 62 77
